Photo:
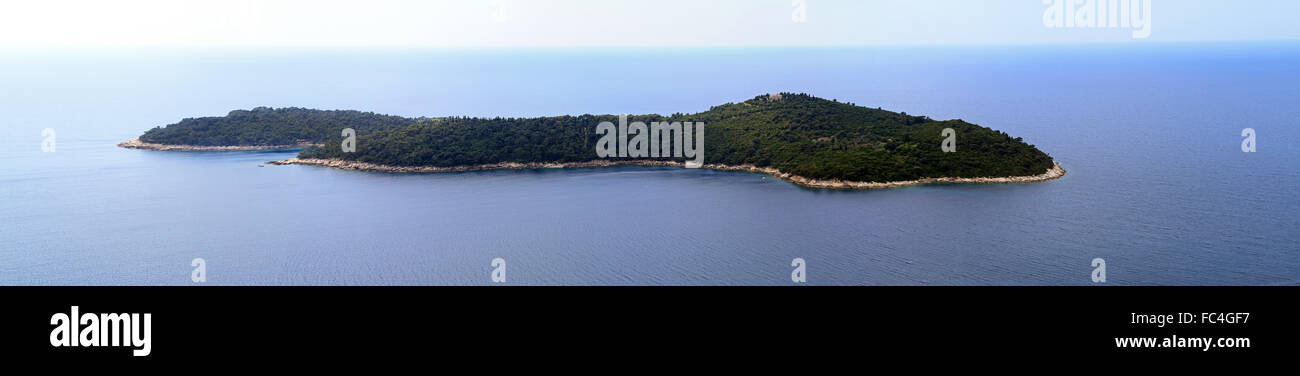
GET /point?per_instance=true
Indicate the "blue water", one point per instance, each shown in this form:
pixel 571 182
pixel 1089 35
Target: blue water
pixel 1150 134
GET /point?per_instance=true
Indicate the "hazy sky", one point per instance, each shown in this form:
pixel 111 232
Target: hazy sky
pixel 110 23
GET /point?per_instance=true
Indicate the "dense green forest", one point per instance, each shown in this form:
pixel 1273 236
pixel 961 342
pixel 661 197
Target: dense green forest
pixel 264 126
pixel 796 133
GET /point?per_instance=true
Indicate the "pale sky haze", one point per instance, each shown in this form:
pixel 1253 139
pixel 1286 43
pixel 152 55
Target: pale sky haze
pixel 561 23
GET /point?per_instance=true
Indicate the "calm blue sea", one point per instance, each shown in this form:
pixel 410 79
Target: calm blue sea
pixel 1150 133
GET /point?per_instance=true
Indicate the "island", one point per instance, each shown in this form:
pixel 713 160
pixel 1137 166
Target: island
pixel 803 139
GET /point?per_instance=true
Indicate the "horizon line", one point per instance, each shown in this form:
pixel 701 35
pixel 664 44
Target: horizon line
pixel 132 46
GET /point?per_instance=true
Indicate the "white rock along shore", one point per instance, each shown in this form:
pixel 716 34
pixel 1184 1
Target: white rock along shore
pixel 135 143
pixel 1053 173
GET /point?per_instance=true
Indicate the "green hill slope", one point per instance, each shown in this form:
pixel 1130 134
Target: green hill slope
pixel 799 134
pixel 795 133
pixel 269 126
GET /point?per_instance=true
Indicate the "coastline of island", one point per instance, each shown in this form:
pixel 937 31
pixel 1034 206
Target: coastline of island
pixel 135 143
pixel 1053 173
pixel 809 141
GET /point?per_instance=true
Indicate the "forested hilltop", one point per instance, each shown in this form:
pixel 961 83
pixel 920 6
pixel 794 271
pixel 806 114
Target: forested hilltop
pixel 795 133
pixel 264 126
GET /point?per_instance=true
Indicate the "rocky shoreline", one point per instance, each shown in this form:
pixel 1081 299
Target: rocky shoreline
pixel 135 143
pixel 1053 173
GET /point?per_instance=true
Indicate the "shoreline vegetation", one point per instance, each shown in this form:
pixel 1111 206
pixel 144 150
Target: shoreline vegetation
pixel 135 143
pixel 810 141
pixel 1053 173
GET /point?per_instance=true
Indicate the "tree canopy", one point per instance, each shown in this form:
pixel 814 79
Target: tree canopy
pixel 265 126
pixel 795 133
